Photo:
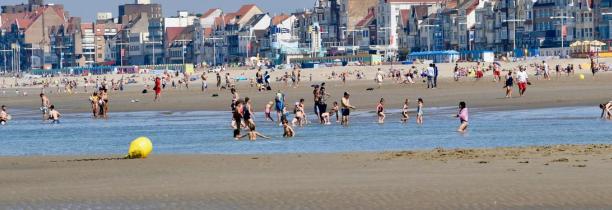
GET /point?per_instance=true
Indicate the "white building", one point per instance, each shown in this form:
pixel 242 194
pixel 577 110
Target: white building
pixel 388 17
pixel 183 19
pixel 247 37
pixel 208 18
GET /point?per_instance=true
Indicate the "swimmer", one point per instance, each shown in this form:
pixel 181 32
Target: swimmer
pixel 54 115
pixel 268 111
pixel 380 111
pixel 253 134
pixel 419 118
pixel 405 114
pixel 463 116
pixel 288 131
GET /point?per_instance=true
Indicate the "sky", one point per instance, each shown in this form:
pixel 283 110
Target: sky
pixel 87 9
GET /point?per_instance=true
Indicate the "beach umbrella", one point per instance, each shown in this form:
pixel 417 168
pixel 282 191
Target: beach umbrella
pixel 576 43
pixel 597 43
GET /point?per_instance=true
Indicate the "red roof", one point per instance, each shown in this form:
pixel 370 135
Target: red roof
pixel 208 32
pixel 366 19
pixel 209 12
pixel 244 9
pixel 173 33
pixel 413 1
pixel 25 19
pixel 405 15
pixel 279 19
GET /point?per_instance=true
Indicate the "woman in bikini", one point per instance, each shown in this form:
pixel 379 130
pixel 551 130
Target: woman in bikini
pixel 380 111
pixel 405 114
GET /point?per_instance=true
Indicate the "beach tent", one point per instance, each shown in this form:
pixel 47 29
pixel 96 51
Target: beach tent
pixel 447 56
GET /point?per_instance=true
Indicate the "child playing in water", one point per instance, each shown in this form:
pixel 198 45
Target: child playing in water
pixel 288 131
pixel 252 134
pixel 268 111
pixel 405 115
pixel 334 111
pixel 463 117
pixel 380 111
pixel 419 118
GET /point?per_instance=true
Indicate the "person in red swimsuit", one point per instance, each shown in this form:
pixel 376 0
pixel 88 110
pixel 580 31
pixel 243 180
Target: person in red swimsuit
pixel 157 88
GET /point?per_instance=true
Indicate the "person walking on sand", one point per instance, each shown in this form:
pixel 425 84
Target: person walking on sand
pixel 380 111
pixel 218 81
pixel 4 116
pixel 379 78
pixel 463 117
pixel 419 118
pixel 430 76
pixel 54 115
pixel 157 88
pixel 405 113
pixel 44 106
pixel 435 79
pixel 593 67
pixel 509 84
pixel 522 79
pixel 346 109
pixel 204 82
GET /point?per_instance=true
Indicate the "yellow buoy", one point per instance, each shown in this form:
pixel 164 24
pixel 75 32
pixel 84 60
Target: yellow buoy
pixel 140 148
pixel 581 76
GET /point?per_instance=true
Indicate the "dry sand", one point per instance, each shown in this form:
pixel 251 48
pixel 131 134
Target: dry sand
pixel 554 177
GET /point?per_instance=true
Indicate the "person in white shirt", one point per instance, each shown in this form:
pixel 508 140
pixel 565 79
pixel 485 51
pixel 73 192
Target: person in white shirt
pixel 522 80
pixel 546 70
pixel 431 72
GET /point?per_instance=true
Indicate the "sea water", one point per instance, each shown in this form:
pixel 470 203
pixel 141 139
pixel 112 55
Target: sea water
pixel 208 132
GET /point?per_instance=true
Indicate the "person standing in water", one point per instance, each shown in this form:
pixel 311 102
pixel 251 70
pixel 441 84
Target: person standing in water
pixel 54 115
pixel 380 111
pixel 346 106
pixel 405 114
pixel 157 88
pixel 419 118
pixel 4 116
pixel 44 106
pixel 280 105
pixel 237 115
pixel 268 111
pixel 463 116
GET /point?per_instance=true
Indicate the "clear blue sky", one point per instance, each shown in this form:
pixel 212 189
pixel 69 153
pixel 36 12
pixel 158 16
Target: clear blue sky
pixel 87 8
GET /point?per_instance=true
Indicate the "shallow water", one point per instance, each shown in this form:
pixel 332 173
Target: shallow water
pixel 210 133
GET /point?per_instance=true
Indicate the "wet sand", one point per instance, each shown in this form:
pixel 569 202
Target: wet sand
pixel 553 177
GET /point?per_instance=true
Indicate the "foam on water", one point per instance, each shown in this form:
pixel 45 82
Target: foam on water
pixel 210 133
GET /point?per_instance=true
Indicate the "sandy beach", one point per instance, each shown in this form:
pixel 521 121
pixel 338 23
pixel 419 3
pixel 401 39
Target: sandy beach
pixel 484 93
pixel 552 177
pixel 546 177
